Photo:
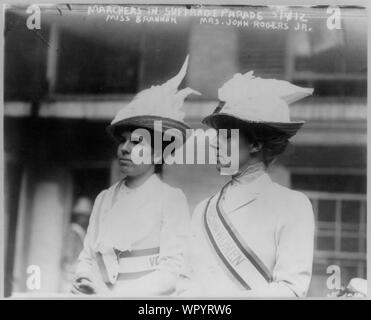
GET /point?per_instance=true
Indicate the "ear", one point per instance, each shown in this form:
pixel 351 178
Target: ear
pixel 256 147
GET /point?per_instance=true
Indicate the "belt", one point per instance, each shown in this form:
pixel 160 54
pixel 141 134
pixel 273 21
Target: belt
pixel 136 263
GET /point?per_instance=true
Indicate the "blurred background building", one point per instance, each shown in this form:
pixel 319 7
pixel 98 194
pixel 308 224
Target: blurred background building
pixel 66 81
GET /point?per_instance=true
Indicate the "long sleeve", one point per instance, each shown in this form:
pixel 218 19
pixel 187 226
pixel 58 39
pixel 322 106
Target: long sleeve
pixel 87 256
pixel 294 241
pixel 186 285
pixel 174 232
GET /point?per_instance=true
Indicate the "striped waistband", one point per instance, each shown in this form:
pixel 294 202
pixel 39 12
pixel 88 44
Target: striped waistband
pixel 137 253
pixel 137 263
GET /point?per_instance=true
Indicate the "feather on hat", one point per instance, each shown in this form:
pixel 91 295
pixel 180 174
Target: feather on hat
pixel 162 102
pixel 254 100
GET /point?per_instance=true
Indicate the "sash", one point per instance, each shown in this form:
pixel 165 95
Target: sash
pixel 239 259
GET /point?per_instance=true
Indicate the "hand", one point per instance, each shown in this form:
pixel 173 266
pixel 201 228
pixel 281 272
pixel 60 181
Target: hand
pixel 82 275
pixel 82 284
pixel 85 284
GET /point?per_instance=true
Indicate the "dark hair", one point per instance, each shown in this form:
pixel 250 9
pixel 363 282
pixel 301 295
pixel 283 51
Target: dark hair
pixel 274 142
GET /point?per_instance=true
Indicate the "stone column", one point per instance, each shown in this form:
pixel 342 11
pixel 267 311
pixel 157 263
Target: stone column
pixel 43 216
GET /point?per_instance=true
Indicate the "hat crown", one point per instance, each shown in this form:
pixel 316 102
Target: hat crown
pixel 162 100
pixel 257 99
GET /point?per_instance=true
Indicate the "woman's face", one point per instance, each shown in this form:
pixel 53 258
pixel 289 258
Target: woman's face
pixel 224 143
pixel 128 140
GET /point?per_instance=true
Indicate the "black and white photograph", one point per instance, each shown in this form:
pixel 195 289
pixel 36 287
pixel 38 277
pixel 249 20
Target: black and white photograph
pixel 184 151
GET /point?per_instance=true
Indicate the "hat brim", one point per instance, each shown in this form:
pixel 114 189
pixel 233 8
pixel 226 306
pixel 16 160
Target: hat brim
pixel 227 121
pixel 114 130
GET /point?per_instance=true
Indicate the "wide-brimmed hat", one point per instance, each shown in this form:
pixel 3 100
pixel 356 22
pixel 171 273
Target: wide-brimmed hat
pixel 247 101
pixel 163 102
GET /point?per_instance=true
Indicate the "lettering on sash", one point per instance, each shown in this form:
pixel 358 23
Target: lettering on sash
pixel 235 254
pixel 153 261
pixel 230 251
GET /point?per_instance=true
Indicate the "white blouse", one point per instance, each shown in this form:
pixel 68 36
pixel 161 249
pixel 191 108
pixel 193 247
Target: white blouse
pixel 154 215
pixel 278 225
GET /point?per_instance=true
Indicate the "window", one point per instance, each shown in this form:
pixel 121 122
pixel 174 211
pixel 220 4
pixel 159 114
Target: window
pixel 263 51
pixel 333 62
pixel 24 59
pixel 341 223
pixel 339 205
pixel 107 70
pixel 340 182
pixel 119 61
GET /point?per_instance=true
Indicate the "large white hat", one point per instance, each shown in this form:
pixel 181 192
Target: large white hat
pixel 163 102
pixel 251 100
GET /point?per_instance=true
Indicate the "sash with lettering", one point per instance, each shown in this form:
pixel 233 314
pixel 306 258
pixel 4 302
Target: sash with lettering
pixel 242 263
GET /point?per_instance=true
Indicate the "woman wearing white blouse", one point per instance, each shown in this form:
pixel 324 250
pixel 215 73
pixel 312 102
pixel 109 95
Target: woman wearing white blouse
pixel 254 238
pixel 138 228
